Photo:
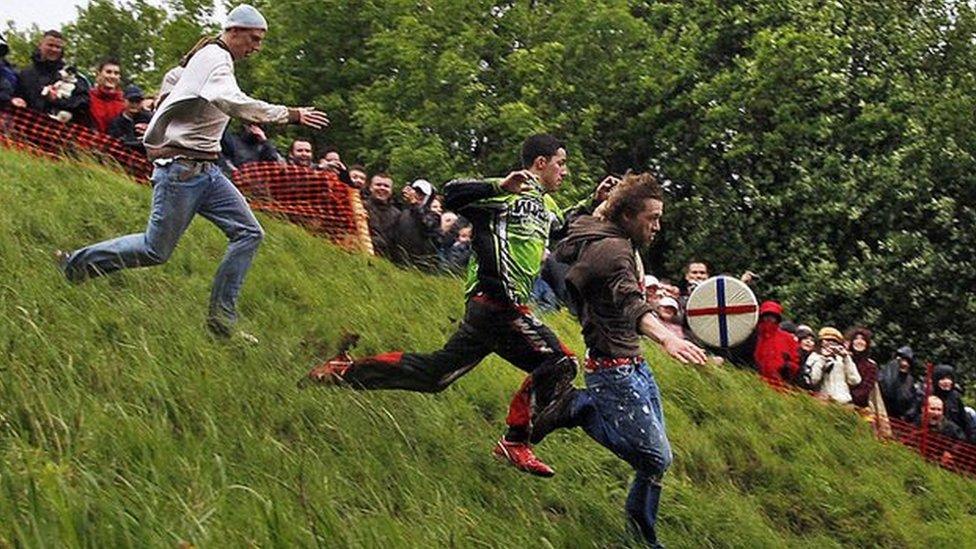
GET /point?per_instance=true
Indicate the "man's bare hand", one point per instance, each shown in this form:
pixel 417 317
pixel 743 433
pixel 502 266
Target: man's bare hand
pixel 257 132
pixel 332 165
pixel 685 351
pixel 518 182
pixel 410 196
pixel 18 102
pixel 603 189
pixel 315 119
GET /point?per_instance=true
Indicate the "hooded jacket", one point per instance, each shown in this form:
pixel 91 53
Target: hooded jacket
pixel 898 389
pixel 955 410
pixel 605 282
pixel 41 73
pixel 868 369
pixel 777 353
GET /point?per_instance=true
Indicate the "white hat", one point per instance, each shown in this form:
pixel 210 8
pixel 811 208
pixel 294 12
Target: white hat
pixel 423 186
pixel 668 302
pixel 650 281
pixel 245 17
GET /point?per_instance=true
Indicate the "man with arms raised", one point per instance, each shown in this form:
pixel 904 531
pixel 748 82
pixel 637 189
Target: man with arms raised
pixel 183 141
pixel 621 406
pixel 512 218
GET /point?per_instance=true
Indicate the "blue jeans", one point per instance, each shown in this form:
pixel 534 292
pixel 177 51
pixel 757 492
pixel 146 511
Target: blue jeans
pixel 180 191
pixel 621 409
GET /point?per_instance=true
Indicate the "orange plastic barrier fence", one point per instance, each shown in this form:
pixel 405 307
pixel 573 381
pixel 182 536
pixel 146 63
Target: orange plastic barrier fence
pixel 314 199
pixel 954 455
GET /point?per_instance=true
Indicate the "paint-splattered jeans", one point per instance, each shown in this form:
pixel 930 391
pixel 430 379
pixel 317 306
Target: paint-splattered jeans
pixel 621 409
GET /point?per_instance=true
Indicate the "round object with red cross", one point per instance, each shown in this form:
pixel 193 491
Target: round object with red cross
pixel 722 311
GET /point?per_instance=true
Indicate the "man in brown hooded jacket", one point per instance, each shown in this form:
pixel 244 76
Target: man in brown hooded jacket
pixel 621 406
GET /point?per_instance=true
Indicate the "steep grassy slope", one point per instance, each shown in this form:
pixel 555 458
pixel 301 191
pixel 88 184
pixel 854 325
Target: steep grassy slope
pixel 122 424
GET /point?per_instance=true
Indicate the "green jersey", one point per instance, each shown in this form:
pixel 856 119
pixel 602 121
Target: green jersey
pixel 511 232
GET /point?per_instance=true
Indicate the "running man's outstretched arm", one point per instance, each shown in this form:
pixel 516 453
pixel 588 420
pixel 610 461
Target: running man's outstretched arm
pixel 460 194
pixel 222 90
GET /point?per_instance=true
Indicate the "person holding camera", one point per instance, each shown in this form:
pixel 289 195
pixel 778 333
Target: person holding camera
pixel 832 371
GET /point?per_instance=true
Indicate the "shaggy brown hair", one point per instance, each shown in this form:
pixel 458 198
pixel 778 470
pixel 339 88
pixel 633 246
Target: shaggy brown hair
pixel 628 197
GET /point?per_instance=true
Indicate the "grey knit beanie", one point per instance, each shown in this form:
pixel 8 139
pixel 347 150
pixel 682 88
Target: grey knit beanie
pixel 245 16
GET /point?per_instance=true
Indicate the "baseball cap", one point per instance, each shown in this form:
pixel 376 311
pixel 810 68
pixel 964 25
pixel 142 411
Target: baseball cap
pixel 423 187
pixel 668 302
pixel 133 92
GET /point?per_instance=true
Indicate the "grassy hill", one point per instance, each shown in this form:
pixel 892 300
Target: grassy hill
pixel 122 424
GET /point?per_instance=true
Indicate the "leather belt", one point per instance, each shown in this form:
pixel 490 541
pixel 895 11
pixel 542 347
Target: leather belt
pixel 604 363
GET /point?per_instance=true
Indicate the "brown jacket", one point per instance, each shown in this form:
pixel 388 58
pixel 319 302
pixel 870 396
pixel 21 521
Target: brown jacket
pixel 605 281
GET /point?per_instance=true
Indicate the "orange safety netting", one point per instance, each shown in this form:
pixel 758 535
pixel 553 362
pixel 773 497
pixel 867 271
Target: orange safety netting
pixel 315 199
pixel 954 455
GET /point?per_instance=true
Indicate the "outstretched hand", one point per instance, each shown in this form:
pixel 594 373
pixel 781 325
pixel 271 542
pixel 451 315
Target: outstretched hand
pixel 603 189
pixel 517 182
pixel 685 351
pixel 313 118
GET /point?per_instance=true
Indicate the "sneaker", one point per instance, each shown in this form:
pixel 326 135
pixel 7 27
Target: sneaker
pixel 331 371
pixel 521 456
pixel 557 415
pixel 222 331
pixel 244 337
pixel 61 258
pixel 328 373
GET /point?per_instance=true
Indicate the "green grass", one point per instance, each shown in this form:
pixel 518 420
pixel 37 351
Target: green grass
pixel 122 424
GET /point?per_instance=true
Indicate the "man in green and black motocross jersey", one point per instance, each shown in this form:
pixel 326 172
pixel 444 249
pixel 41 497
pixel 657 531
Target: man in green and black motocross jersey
pixel 512 218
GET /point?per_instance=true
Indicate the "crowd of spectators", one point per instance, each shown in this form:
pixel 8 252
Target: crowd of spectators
pixel 412 229
pixel 837 366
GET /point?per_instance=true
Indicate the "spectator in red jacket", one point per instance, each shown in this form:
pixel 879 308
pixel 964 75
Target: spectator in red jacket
pixel 859 342
pixel 777 352
pixel 106 101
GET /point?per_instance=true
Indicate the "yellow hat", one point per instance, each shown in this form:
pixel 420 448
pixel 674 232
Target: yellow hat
pixel 828 332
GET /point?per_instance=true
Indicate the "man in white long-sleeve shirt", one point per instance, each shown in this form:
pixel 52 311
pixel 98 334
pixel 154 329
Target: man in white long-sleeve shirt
pixel 183 141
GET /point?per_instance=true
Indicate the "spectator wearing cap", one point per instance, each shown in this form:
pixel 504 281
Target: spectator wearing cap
pixel 50 86
pixel 859 343
pixel 131 124
pixel 667 310
pixel 832 370
pixel 944 387
pixel 776 356
pixel 898 386
pixel 652 288
pixel 248 145
pixel 416 228
pixel 8 79
pixel 807 340
pixel 106 100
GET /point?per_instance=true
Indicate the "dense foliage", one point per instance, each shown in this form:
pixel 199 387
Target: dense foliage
pixel 826 145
